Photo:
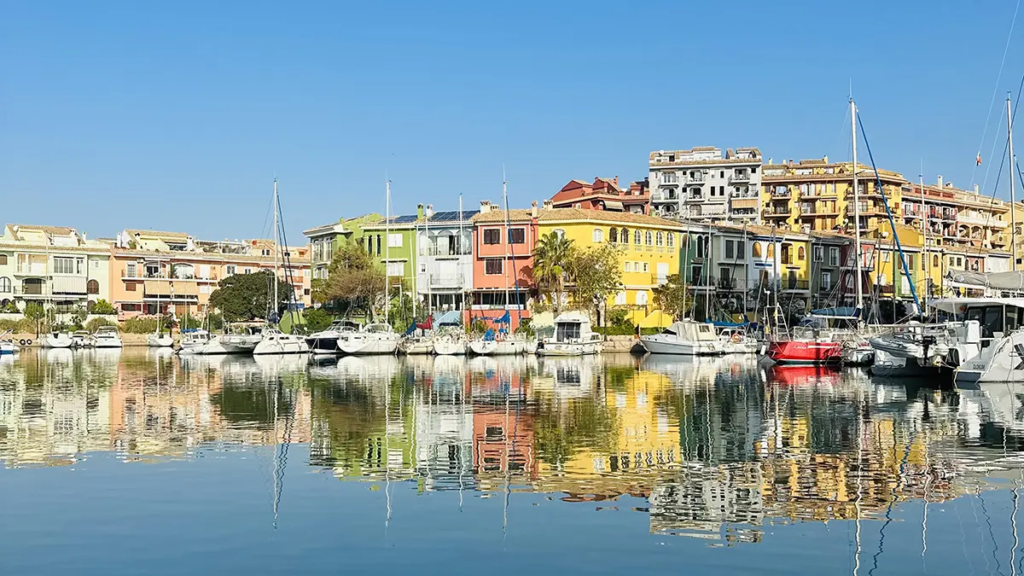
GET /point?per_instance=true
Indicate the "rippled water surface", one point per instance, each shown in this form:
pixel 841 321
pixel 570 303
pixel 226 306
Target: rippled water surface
pixel 139 462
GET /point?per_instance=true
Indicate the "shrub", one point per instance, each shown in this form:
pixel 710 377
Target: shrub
pixel 317 319
pixel 139 325
pixel 102 307
pixel 9 308
pixel 96 323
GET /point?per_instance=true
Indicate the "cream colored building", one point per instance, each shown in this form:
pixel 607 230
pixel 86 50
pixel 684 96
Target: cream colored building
pixel 54 265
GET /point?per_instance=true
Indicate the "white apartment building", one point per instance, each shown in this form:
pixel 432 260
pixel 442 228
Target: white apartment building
pixel 704 184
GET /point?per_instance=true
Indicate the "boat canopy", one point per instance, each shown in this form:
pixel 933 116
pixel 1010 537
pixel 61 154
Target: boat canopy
pixel 840 312
pixel 450 318
pixel 1008 281
pixel 958 305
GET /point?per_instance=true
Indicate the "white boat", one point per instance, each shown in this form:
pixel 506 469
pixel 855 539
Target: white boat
pixel 7 345
pixel 156 340
pixel 735 340
pixel 200 342
pixel 81 339
pixel 276 342
pixel 452 342
pixel 856 351
pixel 241 340
pixel 573 337
pixel 372 339
pixel 106 337
pixel 502 345
pixel 57 340
pixel 687 338
pixel 417 345
pixel 326 340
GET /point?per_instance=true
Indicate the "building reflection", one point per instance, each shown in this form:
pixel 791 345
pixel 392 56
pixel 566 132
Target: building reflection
pixel 717 447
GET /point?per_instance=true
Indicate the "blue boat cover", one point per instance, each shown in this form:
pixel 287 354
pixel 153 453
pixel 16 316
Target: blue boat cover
pixel 843 311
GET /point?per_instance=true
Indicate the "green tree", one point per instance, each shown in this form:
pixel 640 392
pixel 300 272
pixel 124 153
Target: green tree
pixel 317 319
pixel 551 261
pixel 354 281
pixel 596 274
pixel 672 297
pixel 35 312
pixel 246 297
pixel 102 307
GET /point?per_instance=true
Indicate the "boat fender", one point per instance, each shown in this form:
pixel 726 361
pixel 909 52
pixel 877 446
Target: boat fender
pixel 736 338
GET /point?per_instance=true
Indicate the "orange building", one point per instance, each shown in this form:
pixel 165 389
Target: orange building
pixel 604 194
pixel 502 263
pixel 159 272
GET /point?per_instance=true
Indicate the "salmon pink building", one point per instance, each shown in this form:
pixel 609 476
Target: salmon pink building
pixel 502 264
pixel 603 194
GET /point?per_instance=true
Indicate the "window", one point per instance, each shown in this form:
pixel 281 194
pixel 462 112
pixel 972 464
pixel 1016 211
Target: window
pixel 624 236
pixel 701 246
pixel 91 287
pixel 660 239
pixel 517 235
pixel 646 267
pixel 396 268
pixel 818 252
pixel 5 285
pixel 833 256
pixel 636 237
pixel 620 298
pixel 266 252
pixel 801 253
pixel 730 249
pixel 492 236
pixel 492 266
pixel 130 286
pixel 378 244
pixel 757 250
pixel 740 249
pixel 598 235
pixel 394 240
pixel 627 266
pixel 3 259
pixel 826 281
pixel 613 235
pixel 641 298
pixel 910 261
pixel 559 232
pixel 230 270
pixel 771 250
pixel 63 265
pixel 648 238
pixel 670 239
pixel 131 270
pixel 935 260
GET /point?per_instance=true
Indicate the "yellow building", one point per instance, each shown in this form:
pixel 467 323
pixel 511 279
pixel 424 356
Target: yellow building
pixel 648 252
pixel 817 195
pixel 956 218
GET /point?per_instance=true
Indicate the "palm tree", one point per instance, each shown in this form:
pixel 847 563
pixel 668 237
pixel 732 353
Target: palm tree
pixel 551 259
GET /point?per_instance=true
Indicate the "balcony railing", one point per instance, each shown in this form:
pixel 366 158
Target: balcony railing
pixel 788 284
pixel 443 280
pixel 740 177
pixel 664 196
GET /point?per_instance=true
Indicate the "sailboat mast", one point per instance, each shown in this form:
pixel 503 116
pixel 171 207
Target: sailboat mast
pixel 461 248
pixel 856 208
pixel 508 240
pixel 430 294
pixel 387 249
pixel 924 229
pixel 277 302
pixel 1013 201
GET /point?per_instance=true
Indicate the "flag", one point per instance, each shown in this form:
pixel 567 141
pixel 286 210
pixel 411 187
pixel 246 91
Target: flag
pixel 977 161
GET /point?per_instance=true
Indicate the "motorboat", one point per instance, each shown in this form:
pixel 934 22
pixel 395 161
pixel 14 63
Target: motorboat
pixel 57 339
pixel 274 341
pixel 687 338
pixel 806 345
pixel 377 338
pixel 450 342
pixel 856 351
pixel 988 346
pixel 200 342
pixel 241 340
pixel 735 340
pixel 157 340
pixel 106 337
pixel 7 345
pixel 573 337
pixel 81 339
pixel 326 340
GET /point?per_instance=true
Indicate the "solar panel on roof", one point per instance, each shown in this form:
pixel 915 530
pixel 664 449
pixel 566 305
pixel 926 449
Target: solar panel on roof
pixel 452 215
pixel 404 219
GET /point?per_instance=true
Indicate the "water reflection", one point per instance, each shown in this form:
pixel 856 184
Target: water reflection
pixel 718 447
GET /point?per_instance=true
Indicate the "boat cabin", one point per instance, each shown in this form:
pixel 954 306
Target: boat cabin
pixel 692 331
pixel 572 327
pixel 996 317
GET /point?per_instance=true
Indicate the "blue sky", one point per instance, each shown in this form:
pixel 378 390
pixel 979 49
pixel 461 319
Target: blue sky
pixel 178 115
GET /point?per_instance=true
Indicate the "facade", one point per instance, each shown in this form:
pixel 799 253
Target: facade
pixel 392 243
pixel 649 252
pixel 154 272
pixel 957 218
pixel 817 195
pixel 53 265
pixel 703 184
pixel 444 258
pixel 604 194
pixel 502 258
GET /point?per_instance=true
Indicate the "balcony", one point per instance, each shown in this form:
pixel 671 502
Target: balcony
pixel 740 177
pixel 665 196
pixel 794 285
pixel 781 192
pixel 777 213
pixel 30 270
pixel 163 276
pixel 441 281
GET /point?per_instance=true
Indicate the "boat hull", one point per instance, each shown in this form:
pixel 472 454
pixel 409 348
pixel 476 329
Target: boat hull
pixel 322 345
pixel 496 347
pixel 570 349
pixel 159 341
pixel 449 346
pixel 281 344
pixel 59 341
pixel 680 347
pixel 361 345
pixel 805 352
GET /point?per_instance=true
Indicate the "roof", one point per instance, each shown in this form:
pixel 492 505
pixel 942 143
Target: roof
pixel 452 216
pixel 761 230
pixel 515 215
pixel 571 214
pixel 158 234
pixel 47 229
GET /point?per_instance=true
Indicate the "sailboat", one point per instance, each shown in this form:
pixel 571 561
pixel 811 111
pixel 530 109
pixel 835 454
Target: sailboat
pixel 274 341
pixel 378 337
pixel 158 339
pixel 504 341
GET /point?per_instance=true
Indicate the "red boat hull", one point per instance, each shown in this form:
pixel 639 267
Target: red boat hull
pixel 805 352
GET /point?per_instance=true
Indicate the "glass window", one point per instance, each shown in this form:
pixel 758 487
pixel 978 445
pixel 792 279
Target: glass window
pixel 660 239
pixel 670 239
pixel 492 266
pixel 5 285
pixel 730 248
pixel 624 236
pixel 63 265
pixel 394 240
pixel 517 235
pixel 613 235
pixel 493 236
pixel 993 321
pixel 648 238
pixel 637 236
pixel 598 235
pixel 757 249
pixel 131 270
pixel 740 249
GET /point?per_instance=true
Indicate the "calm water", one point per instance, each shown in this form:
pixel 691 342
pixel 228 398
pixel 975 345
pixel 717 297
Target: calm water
pixel 136 462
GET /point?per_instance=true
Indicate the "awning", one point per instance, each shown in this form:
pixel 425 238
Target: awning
pixel 613 205
pixel 1010 281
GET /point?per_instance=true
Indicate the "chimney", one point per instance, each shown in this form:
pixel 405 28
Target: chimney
pixel 976 189
pixel 940 181
pixel 548 205
pixel 485 206
pixel 419 211
pixel 533 209
pixel 825 158
pixel 770 161
pixel 616 180
pixel 430 210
